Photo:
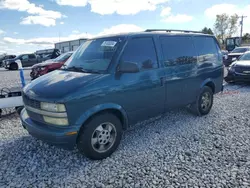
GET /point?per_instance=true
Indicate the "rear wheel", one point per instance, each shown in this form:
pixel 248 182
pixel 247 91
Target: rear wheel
pixel 204 102
pixel 100 137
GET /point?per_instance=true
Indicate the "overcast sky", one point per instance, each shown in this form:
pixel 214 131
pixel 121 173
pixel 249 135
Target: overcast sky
pixel 29 25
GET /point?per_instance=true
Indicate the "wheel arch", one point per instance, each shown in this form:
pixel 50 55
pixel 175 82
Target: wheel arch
pixel 208 82
pixel 115 109
pixel 13 63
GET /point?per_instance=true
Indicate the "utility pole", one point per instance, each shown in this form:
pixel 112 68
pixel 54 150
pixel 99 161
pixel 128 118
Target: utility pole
pixel 241 28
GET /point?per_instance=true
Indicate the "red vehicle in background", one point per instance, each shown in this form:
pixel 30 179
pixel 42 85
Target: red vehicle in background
pixel 50 65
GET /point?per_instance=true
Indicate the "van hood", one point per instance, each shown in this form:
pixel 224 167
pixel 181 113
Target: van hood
pixel 45 63
pixel 235 54
pixel 59 84
pixel 242 63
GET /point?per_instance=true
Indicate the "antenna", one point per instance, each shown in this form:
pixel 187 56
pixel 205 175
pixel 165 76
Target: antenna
pixel 241 28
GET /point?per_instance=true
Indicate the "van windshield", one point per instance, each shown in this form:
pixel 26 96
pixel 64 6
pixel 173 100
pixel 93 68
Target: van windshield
pixel 94 55
pixel 63 57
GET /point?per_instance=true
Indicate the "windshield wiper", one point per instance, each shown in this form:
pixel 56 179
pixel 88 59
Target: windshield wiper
pixel 79 69
pixel 73 68
pixel 92 71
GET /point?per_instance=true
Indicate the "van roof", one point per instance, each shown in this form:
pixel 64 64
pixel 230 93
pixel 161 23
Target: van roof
pixel 156 32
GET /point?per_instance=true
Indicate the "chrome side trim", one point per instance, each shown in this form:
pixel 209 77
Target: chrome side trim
pixel 242 73
pixel 46 113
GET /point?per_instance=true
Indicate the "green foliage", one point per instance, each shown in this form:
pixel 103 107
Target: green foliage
pixel 206 30
pixel 246 36
pixel 225 25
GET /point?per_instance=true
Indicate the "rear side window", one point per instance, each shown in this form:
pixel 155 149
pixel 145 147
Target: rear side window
pixel 141 51
pixel 32 56
pixel 178 50
pixel 207 50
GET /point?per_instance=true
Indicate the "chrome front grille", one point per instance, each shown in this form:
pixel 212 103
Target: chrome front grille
pixel 242 70
pixel 31 102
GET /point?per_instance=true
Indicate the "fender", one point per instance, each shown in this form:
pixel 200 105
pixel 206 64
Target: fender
pixel 208 80
pixel 107 106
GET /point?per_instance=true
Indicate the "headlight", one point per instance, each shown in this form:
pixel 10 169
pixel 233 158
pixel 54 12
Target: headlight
pixel 56 121
pixel 231 68
pixel 42 68
pixel 52 107
pixel 25 115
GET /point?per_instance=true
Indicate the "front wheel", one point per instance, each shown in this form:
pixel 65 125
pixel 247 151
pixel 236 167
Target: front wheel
pixel 100 137
pixel 13 66
pixel 229 80
pixel 204 102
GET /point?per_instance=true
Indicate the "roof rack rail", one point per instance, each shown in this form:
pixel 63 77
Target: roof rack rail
pixel 170 30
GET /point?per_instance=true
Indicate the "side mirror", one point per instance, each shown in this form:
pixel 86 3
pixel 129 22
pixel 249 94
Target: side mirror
pixel 128 67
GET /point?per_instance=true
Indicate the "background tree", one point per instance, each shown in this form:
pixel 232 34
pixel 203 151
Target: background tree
pixel 225 25
pixel 233 24
pixel 246 36
pixel 207 31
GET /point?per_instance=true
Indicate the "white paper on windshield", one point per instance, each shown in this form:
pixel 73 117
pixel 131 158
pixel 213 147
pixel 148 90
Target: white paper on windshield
pixel 109 43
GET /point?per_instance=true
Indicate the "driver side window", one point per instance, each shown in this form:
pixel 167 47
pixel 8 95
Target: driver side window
pixel 25 57
pixel 141 51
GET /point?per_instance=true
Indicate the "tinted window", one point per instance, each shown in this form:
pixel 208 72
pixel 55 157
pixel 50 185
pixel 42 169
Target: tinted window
pixel 239 50
pixel 142 52
pixel 230 41
pixel 207 50
pixel 63 57
pixel 32 56
pixel 25 57
pixel 178 50
pixel 245 57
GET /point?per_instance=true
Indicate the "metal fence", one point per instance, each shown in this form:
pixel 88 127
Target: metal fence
pixel 8 81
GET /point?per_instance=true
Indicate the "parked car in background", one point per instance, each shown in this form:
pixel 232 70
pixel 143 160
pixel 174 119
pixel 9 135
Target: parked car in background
pixel 27 60
pixel 224 55
pixel 5 57
pixel 114 81
pixel 239 71
pixel 236 53
pixel 48 53
pixel 40 69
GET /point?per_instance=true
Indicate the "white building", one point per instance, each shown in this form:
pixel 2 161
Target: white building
pixel 67 46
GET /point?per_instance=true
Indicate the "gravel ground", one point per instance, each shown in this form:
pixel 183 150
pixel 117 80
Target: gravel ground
pixel 175 150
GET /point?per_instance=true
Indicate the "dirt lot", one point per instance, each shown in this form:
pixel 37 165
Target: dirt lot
pixel 175 150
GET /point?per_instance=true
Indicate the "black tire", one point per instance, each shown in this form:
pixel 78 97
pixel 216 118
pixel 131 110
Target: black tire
pixel 84 141
pixel 198 108
pixel 13 66
pixel 229 81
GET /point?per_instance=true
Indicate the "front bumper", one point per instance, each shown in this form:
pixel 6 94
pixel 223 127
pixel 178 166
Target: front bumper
pixel 7 65
pixel 232 76
pixel 34 74
pixel 227 62
pixel 52 135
